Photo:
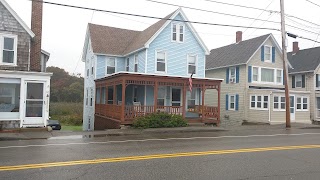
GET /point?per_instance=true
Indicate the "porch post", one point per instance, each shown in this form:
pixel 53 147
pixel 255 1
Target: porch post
pixel 123 99
pixel 155 91
pixel 203 110
pixel 219 91
pixel 184 97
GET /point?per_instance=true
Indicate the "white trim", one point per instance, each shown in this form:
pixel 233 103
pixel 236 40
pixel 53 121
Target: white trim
pixel 256 102
pixel 301 72
pixel 267 60
pixel 178 24
pixel 274 76
pixel 202 44
pixel 229 102
pixel 146 61
pixel 301 103
pixel 15 48
pixel 26 73
pixel 225 66
pixel 156 61
pixel 196 63
pixel 279 103
pixel 15 15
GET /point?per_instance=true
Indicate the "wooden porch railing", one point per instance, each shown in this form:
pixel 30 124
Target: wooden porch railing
pixel 132 112
pixel 208 112
pixel 109 110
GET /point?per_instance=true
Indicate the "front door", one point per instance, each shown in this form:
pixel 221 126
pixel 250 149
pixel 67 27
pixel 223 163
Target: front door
pixel 34 103
pixel 176 97
pixel 292 108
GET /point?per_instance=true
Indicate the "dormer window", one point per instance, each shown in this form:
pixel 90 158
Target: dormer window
pixel 267 53
pixel 8 47
pixel 177 32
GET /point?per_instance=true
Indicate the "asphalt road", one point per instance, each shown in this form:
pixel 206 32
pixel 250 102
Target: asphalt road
pixel 272 154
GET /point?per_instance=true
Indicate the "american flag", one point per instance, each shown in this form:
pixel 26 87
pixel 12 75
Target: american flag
pixel 190 82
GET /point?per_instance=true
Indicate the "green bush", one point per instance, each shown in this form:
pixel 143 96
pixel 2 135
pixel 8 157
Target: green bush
pixel 67 113
pixel 158 120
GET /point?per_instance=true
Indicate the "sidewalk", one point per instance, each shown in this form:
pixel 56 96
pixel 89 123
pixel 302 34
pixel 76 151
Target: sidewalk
pixel 43 134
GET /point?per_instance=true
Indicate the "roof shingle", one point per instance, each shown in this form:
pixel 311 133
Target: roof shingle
pixel 304 60
pixel 234 54
pixel 117 41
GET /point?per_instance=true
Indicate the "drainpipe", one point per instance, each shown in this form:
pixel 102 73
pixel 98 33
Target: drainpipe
pixel 270 107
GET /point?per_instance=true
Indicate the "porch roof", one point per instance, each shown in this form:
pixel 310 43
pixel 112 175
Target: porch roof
pixel 153 75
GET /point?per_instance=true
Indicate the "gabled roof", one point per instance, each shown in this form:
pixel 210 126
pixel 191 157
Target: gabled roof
pixel 121 42
pixel 234 54
pixel 306 60
pixel 15 15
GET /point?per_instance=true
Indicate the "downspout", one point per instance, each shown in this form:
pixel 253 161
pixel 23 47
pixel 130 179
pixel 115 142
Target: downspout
pixel 270 107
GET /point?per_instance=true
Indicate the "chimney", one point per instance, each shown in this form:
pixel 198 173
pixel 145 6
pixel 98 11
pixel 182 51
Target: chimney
pixel 295 47
pixel 36 27
pixel 238 36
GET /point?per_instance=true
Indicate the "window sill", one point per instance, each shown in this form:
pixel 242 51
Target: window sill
pixel 8 64
pixel 304 110
pixel 259 109
pixel 279 110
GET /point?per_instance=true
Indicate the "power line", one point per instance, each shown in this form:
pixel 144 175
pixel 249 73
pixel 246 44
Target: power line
pixel 233 15
pixel 230 15
pixel 259 16
pixel 260 9
pixel 301 24
pixel 153 17
pixel 313 3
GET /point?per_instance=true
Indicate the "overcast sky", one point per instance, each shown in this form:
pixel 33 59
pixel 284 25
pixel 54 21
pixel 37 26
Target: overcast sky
pixel 64 28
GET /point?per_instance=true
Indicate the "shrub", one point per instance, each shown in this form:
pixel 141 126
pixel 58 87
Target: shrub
pixel 67 113
pixel 158 120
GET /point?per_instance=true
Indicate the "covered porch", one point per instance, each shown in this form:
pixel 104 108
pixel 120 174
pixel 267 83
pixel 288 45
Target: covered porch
pixel 124 96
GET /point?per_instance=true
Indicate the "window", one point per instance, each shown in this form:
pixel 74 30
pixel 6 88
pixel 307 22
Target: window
pixel 279 103
pixel 259 102
pixel 232 100
pixel 111 65
pixel 98 95
pixel 103 95
pixel 302 103
pixel 192 64
pixel 127 64
pixel 267 53
pixel 136 63
pixel 9 98
pixel 232 74
pixel 92 70
pixel 317 80
pixel 298 81
pixel 161 62
pixel 110 95
pixel 135 94
pixel 87 72
pixel 161 96
pixel 255 74
pixel 267 75
pixel 177 32
pixel 8 49
pixel 279 76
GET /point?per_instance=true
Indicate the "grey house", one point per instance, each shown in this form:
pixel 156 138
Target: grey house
pixel 253 89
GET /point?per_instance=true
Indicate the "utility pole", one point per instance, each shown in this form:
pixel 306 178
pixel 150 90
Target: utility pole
pixel 285 67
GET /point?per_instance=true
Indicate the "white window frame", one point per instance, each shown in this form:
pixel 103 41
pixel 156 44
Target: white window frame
pixel 136 62
pixel 255 74
pixel 274 76
pixel 318 81
pixel 156 61
pixel 232 79
pixel 281 76
pixel 266 53
pixel 127 64
pixel 279 102
pixel 15 48
pixel 301 103
pixel 115 65
pixel 296 80
pixel 178 32
pixel 262 102
pixel 195 64
pixel 234 102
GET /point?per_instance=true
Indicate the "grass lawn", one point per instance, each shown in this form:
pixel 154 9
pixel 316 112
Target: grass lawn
pixel 70 128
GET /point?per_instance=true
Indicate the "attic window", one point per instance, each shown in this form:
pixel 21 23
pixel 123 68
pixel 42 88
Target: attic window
pixel 177 32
